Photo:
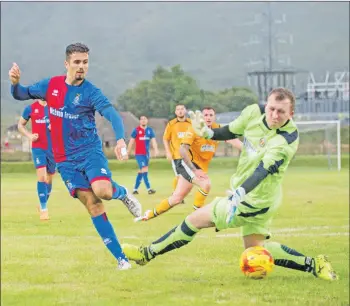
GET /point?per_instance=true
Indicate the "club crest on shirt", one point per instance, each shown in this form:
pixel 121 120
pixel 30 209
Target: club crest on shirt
pixel 262 142
pixel 77 99
pixel 36 111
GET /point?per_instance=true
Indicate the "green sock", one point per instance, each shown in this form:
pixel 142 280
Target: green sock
pixel 174 239
pixel 289 258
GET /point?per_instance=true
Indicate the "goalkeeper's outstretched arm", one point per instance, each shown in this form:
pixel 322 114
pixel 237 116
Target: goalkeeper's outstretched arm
pixel 223 133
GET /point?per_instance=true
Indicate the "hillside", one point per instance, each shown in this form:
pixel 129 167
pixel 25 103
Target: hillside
pixel 128 40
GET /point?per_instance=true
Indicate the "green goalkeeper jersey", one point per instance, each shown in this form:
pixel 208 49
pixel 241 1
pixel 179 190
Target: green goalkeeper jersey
pixel 265 156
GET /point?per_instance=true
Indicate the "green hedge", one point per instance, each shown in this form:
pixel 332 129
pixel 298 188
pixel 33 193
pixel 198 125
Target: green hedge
pixel 163 164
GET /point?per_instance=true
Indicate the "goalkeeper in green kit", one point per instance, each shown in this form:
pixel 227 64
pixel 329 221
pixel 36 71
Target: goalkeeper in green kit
pixel 270 142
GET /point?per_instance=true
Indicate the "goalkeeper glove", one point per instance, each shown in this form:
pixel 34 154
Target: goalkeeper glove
pixel 234 198
pixel 199 125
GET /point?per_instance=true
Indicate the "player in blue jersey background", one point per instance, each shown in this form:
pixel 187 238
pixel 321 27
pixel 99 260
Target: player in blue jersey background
pixel 40 139
pixel 142 136
pixel 72 101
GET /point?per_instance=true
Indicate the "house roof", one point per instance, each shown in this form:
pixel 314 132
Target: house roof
pixel 106 132
pixel 12 128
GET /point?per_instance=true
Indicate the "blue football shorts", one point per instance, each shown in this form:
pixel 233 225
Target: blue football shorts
pixel 142 160
pixel 83 171
pixel 44 158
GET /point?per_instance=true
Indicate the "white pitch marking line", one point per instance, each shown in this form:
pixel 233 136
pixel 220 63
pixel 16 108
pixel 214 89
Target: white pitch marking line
pixel 286 232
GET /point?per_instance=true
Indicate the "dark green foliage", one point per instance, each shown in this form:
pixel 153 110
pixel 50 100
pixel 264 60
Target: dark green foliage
pixel 157 97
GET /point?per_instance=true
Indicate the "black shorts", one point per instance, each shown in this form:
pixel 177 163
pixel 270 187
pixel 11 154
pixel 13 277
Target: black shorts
pixel 180 168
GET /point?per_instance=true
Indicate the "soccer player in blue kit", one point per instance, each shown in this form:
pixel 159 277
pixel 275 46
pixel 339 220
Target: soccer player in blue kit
pixel 142 136
pixel 72 101
pixel 42 155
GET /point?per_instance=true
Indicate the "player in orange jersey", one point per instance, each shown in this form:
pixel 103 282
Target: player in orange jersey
pixel 173 136
pixel 196 154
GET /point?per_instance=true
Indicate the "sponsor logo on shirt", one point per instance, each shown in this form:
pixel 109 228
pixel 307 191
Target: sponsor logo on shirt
pixel 189 134
pixel 63 114
pixel 36 111
pixel 55 92
pixel 181 134
pixel 144 138
pixel 43 120
pixel 207 148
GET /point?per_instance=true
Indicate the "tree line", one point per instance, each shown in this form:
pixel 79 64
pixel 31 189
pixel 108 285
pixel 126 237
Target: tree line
pixel 157 97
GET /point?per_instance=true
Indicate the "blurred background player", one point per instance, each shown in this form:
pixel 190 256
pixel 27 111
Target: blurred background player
pixel 173 136
pixel 42 154
pixel 196 153
pixel 142 136
pixel 271 140
pixel 72 101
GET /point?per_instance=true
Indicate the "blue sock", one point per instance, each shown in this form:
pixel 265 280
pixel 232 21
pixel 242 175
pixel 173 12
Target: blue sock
pixel 119 192
pixel 49 188
pixel 42 193
pixel 145 178
pixel 138 180
pixel 106 231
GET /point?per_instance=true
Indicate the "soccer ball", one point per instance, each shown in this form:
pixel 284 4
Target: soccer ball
pixel 256 262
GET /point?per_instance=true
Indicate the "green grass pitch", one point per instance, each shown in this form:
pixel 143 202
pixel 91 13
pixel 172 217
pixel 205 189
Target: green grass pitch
pixel 64 261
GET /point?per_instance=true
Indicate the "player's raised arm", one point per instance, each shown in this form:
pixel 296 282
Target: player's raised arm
pixel 106 109
pixel 233 130
pixel 19 92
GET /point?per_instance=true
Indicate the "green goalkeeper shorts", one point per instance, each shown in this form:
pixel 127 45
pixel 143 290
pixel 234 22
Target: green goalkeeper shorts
pixel 251 220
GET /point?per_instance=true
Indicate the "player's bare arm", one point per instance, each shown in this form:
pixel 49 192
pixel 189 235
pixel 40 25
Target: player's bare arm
pixel 184 150
pixel 167 149
pixel 236 143
pixel 130 145
pixel 120 150
pixel 155 147
pixel 23 130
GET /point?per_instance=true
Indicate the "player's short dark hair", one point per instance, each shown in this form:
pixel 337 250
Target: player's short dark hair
pixel 143 116
pixel 180 104
pixel 76 48
pixel 208 108
pixel 283 93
